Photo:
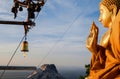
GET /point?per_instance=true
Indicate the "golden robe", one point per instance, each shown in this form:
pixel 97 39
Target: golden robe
pixel 106 63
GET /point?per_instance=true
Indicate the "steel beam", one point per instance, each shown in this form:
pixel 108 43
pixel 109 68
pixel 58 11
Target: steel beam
pixel 18 23
pixel 18 68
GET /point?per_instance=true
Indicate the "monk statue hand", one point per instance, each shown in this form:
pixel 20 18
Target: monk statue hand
pixel 91 42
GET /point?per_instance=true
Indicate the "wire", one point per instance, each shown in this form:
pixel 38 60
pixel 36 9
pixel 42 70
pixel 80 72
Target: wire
pixel 36 16
pixel 16 49
pixel 39 12
pixel 59 40
pixel 12 57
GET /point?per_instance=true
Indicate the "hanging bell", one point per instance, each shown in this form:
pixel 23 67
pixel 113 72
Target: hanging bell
pixel 24 48
pixel 20 9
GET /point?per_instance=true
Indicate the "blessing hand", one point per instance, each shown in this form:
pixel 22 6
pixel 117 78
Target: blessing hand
pixel 91 42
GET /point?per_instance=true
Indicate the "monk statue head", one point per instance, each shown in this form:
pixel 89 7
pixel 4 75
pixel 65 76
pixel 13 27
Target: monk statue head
pixel 108 11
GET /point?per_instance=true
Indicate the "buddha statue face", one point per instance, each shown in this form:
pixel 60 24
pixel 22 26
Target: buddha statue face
pixel 105 16
pixel 108 11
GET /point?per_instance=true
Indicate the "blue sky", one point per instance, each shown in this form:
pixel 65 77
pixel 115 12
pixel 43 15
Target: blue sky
pixel 60 33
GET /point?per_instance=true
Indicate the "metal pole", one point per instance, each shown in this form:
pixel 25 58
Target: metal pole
pixel 18 23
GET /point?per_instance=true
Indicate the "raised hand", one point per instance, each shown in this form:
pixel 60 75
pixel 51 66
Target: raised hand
pixel 91 42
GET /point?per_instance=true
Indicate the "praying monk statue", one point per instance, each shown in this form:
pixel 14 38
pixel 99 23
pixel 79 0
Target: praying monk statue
pixel 105 61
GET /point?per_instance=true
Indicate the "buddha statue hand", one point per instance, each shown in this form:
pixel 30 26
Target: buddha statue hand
pixel 91 42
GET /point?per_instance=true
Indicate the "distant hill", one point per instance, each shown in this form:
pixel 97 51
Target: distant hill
pixel 47 71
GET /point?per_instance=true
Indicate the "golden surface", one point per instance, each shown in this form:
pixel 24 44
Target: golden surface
pixel 105 61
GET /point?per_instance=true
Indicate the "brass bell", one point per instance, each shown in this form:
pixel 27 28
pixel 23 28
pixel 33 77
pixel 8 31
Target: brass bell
pixel 24 48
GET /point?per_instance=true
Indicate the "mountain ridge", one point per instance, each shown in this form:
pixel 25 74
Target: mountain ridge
pixel 46 71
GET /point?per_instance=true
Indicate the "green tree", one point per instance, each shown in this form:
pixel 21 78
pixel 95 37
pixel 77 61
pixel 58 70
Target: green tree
pixel 87 67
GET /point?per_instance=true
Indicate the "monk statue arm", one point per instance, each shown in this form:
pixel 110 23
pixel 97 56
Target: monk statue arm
pixel 91 42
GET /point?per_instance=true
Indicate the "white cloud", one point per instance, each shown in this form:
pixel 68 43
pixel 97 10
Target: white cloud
pixel 56 25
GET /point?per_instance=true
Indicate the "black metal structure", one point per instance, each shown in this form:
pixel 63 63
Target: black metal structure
pixel 18 68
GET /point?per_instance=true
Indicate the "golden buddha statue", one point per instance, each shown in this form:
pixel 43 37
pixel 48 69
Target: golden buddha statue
pixel 105 61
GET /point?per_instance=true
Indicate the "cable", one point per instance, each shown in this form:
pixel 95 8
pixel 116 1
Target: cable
pixel 12 57
pixel 16 50
pixel 36 16
pixel 58 40
pixel 39 12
